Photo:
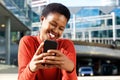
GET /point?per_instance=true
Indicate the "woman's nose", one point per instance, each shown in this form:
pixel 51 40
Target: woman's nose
pixel 56 30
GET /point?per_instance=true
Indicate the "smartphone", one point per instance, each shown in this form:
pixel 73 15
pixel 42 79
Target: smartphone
pixel 49 44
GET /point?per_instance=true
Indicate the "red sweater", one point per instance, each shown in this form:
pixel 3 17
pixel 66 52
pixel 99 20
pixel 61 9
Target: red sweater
pixel 27 47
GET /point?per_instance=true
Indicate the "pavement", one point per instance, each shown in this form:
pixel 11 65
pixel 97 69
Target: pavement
pixel 99 78
pixel 5 69
pixel 8 72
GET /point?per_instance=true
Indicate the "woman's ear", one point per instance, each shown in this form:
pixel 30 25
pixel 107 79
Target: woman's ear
pixel 42 18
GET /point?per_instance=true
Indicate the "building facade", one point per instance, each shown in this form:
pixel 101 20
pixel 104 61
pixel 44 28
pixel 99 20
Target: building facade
pixel 15 20
pixel 99 24
pixel 93 25
pixel 20 9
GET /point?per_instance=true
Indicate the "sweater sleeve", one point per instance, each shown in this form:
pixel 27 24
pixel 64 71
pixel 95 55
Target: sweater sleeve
pixel 24 56
pixel 69 50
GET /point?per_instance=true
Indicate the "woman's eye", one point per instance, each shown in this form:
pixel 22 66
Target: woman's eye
pixel 62 29
pixel 53 24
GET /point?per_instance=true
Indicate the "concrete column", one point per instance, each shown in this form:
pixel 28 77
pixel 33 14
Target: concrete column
pixel 113 22
pixel 105 23
pixel 74 27
pixel 18 35
pixel 94 40
pixel 105 41
pixel 109 42
pixel 99 40
pixel 117 2
pixel 90 37
pixel 8 40
pixel 83 36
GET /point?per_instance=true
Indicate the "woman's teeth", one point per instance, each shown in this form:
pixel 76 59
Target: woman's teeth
pixel 52 35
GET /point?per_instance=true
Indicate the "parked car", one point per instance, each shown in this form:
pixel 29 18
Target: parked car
pixel 85 71
pixel 109 69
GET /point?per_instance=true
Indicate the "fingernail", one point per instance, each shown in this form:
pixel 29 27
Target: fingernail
pixel 53 54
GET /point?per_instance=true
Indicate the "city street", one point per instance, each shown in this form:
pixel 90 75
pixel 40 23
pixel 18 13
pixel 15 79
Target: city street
pixel 10 72
pixel 99 78
pixel 8 76
pixel 14 77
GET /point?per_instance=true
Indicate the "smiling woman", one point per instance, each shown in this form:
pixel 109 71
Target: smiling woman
pixel 52 26
pixel 31 56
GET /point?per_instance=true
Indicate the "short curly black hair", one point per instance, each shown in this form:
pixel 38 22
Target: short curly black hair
pixel 56 7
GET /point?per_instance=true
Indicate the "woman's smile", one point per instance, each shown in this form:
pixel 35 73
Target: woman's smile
pixel 51 36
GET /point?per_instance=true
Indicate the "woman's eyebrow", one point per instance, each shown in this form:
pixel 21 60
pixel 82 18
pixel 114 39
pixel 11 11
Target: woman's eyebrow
pixel 57 23
pixel 54 21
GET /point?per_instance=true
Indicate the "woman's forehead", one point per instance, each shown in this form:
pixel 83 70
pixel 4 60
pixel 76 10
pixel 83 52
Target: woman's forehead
pixel 58 18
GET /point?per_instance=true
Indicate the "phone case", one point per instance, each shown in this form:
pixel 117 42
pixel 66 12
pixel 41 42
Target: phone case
pixel 49 44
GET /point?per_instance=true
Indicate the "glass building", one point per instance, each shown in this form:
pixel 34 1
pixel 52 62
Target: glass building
pixel 22 10
pixel 92 23
pixel 102 36
pixel 15 21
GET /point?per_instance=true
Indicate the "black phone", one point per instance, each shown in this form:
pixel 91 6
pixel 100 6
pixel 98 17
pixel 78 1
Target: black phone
pixel 49 44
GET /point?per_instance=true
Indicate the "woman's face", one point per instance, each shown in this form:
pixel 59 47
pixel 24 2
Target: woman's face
pixel 52 26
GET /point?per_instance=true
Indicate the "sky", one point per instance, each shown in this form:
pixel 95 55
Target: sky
pixel 84 2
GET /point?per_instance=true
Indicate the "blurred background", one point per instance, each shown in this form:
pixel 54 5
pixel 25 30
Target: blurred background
pixel 94 27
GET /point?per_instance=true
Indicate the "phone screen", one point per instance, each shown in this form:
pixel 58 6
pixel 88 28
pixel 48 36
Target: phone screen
pixel 49 44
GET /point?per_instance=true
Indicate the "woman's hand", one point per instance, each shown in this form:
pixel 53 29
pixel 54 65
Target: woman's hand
pixel 59 60
pixel 53 58
pixel 37 60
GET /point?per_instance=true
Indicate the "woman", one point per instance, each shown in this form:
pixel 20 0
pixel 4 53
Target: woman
pixel 60 63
